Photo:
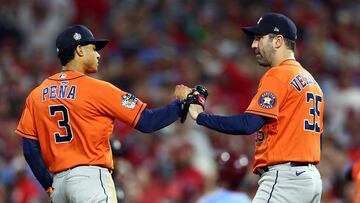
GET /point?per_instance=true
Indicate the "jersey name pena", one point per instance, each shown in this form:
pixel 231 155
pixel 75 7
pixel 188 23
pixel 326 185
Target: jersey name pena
pixel 72 115
pixel 294 101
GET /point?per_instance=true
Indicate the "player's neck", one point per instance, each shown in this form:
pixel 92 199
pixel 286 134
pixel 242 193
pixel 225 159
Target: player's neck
pixel 281 57
pixel 73 66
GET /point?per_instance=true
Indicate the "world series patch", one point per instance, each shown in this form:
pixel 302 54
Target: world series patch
pixel 129 101
pixel 267 100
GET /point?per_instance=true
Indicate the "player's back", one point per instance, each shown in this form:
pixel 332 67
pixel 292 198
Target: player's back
pixel 74 119
pixel 296 103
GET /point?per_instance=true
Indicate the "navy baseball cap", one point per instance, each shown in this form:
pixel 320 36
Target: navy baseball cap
pixel 274 23
pixel 77 35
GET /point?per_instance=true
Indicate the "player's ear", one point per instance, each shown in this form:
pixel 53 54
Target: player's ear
pixel 278 41
pixel 79 50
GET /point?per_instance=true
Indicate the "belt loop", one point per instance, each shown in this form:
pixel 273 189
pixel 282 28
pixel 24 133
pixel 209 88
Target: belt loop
pixel 262 170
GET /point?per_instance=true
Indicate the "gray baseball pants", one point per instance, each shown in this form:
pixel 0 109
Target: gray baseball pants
pixel 84 184
pixel 284 183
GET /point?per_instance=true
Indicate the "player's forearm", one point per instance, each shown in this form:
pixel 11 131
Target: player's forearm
pixel 152 120
pixel 243 124
pixel 36 162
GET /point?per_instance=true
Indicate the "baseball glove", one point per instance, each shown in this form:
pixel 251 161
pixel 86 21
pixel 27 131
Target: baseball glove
pixel 198 95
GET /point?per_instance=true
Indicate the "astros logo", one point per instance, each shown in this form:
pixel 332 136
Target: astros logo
pixel 267 100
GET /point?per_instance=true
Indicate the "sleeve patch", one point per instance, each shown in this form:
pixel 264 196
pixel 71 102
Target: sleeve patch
pixel 129 101
pixel 267 100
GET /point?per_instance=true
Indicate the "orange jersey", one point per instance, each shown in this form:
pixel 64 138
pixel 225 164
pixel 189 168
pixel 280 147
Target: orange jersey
pixel 294 102
pixel 356 177
pixel 72 115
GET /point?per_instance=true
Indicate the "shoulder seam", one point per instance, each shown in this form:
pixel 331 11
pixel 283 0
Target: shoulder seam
pixel 283 84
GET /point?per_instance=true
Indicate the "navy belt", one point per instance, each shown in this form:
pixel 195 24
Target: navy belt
pixel 262 170
pixel 109 169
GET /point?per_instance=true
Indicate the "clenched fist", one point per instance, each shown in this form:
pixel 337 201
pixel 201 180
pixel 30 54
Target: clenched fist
pixel 181 91
pixel 195 110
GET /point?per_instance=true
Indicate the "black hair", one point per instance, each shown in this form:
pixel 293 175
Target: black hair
pixel 290 44
pixel 66 55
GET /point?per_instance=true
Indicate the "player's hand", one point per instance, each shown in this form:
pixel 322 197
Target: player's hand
pixel 181 92
pixel 49 191
pixel 197 96
pixel 195 110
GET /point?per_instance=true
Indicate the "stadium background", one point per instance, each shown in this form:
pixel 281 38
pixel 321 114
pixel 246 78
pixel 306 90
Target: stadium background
pixel 156 44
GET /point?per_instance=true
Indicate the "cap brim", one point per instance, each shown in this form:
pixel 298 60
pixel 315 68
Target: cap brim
pixel 252 31
pixel 99 43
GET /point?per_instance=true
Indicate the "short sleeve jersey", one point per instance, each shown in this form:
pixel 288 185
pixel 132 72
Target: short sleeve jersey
pixel 72 116
pixel 294 102
pixel 356 177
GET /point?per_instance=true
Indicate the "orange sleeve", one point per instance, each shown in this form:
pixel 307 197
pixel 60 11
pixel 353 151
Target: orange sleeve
pixel 355 177
pixel 26 126
pixel 269 96
pixel 121 105
pixel 355 171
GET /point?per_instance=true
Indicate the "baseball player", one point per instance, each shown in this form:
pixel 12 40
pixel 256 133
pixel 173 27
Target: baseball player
pixel 68 119
pixel 287 114
pixel 353 173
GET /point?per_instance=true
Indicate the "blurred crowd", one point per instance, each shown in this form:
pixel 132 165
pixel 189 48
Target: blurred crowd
pixel 156 44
